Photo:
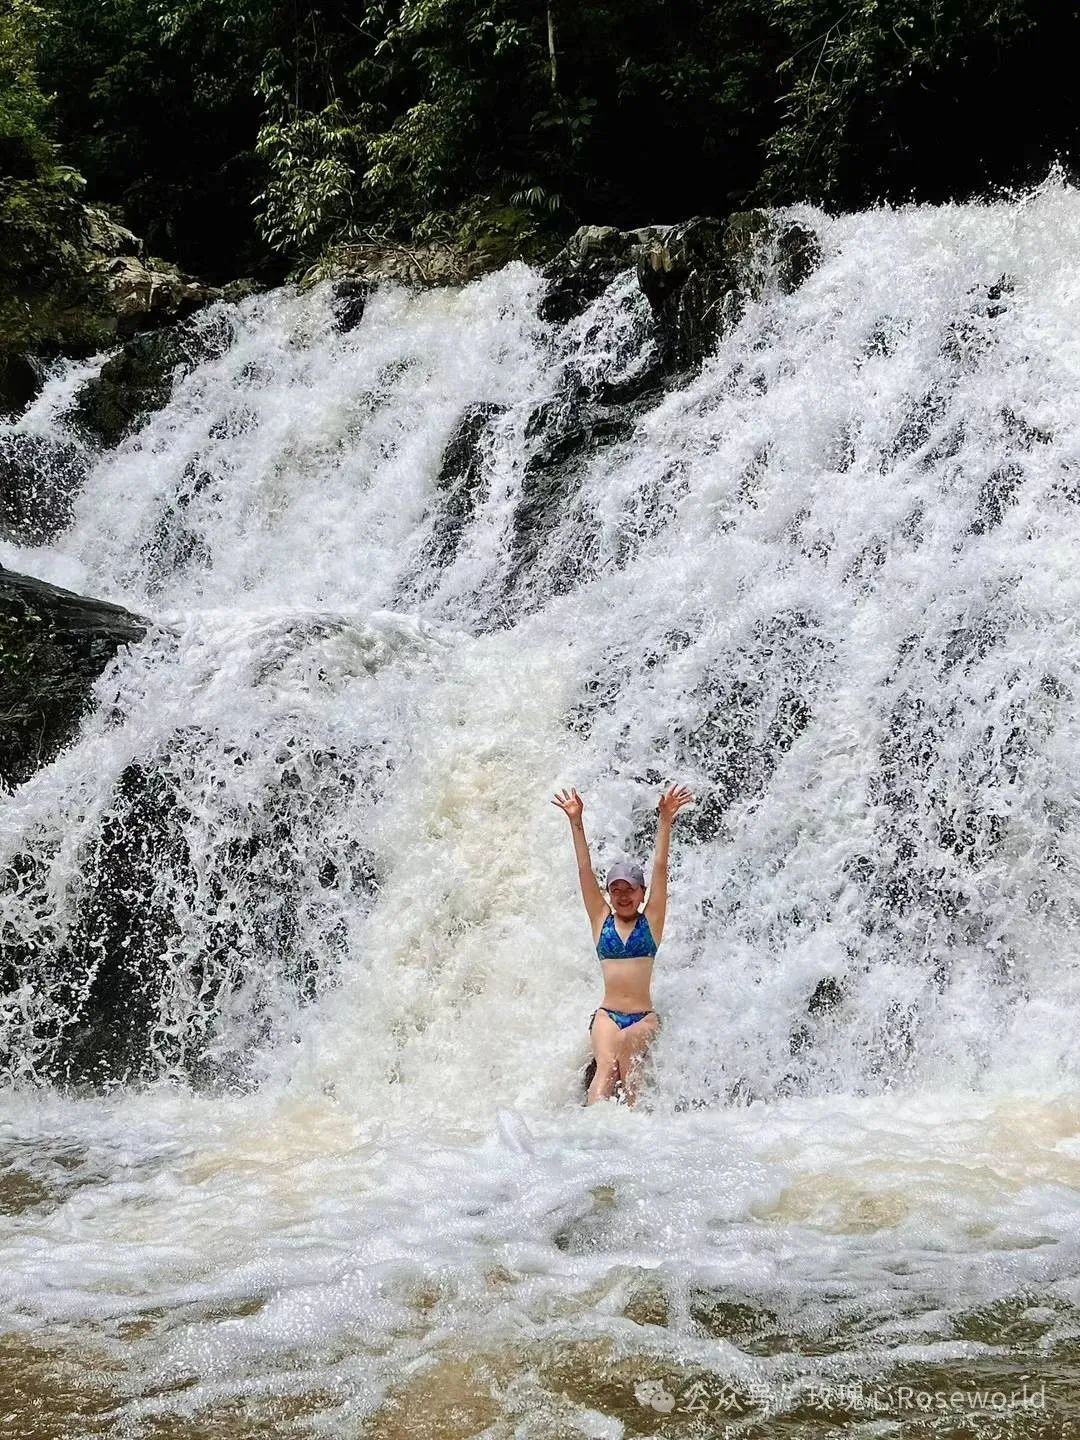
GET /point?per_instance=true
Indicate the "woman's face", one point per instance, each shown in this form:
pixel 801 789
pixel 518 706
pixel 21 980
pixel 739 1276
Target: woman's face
pixel 625 898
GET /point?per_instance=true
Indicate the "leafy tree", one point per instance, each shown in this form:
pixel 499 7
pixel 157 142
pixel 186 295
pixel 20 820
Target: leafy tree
pixel 156 103
pixel 241 133
pixel 41 217
pixel 890 98
pixel 428 116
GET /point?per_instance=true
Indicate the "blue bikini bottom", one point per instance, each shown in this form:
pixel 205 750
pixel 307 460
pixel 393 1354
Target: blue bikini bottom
pixel 622 1018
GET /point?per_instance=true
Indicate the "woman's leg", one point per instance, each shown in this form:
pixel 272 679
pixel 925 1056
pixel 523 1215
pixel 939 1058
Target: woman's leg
pixel 630 1051
pixel 605 1035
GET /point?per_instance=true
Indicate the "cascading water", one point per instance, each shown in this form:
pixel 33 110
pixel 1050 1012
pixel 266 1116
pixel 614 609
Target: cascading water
pixel 296 899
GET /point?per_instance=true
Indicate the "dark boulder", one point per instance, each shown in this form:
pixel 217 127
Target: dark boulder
pixel 53 646
pixel 21 377
pixel 798 254
pixel 348 302
pixel 688 280
pixel 698 276
pixel 139 378
pixel 568 437
pixel 126 940
pixel 460 478
pixel 586 266
pixel 459 488
pixel 113 963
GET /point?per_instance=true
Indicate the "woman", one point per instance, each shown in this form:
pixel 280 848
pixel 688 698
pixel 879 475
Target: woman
pixel 625 1022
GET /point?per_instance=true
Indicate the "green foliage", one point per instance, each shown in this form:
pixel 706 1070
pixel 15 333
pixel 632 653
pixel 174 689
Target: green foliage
pixel 242 133
pixel 852 65
pixel 400 123
pixel 23 108
pixel 558 112
pixel 314 163
pixel 501 232
pixel 156 104
pixel 41 217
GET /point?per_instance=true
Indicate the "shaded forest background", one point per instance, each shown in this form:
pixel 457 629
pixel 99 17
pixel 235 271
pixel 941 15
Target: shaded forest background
pixel 246 137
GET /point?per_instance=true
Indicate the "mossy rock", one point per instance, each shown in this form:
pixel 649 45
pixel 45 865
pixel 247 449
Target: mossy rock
pixel 105 291
pixel 137 381
pixel 696 275
pixel 68 319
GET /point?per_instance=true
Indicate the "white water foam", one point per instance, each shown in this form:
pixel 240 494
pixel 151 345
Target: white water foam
pixel 828 583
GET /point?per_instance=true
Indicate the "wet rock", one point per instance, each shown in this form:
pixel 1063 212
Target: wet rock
pixel 918 427
pixel 53 646
pixel 460 480
pixel 672 256
pixel 458 489
pixel 236 290
pixel 350 297
pixel 568 432
pixel 177 544
pixel 932 842
pixel 244 906
pixel 798 254
pixel 698 276
pixel 970 335
pixel 129 387
pixel 119 941
pixel 997 494
pixel 828 993
pixel 746 713
pixel 139 379
pixel 586 266
pixel 21 377
pixel 614 673
pixel 39 478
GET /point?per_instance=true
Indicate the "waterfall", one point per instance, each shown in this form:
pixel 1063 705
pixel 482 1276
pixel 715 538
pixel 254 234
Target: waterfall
pixel 295 903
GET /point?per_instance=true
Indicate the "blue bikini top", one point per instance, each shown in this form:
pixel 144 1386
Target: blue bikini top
pixel 639 944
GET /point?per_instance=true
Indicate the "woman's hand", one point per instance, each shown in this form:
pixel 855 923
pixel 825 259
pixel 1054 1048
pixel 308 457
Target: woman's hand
pixel 672 801
pixel 570 803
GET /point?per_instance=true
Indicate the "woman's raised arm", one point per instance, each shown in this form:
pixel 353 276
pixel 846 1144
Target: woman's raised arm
pixel 571 804
pixel 671 802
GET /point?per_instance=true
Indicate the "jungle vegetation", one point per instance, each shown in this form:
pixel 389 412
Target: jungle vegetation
pixel 245 136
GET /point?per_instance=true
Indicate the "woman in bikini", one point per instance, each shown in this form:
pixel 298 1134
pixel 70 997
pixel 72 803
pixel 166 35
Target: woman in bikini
pixel 625 1022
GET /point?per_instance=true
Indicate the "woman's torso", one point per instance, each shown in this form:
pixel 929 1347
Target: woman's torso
pixel 628 965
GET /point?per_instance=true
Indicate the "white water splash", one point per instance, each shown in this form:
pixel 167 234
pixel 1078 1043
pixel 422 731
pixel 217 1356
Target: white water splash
pixel 828 583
